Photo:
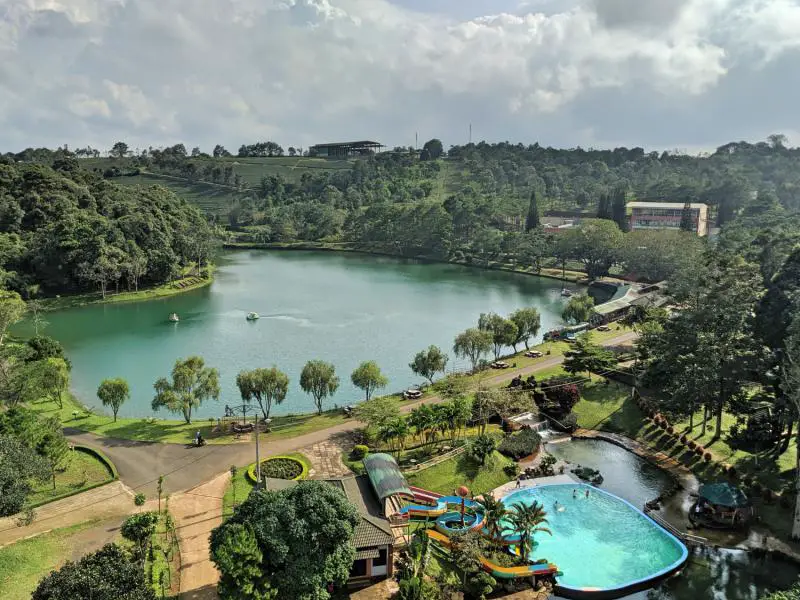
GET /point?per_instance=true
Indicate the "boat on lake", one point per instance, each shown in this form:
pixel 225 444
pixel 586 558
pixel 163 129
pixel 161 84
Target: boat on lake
pixel 253 316
pixel 174 317
pixel 565 292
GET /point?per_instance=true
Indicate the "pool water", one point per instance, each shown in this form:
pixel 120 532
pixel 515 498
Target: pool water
pixel 599 542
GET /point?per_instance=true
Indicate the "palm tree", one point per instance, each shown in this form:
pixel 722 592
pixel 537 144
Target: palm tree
pixel 462 412
pixel 526 521
pixel 422 420
pixel 494 513
pixel 396 432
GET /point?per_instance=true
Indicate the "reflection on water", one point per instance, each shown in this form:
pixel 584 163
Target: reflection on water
pixel 710 574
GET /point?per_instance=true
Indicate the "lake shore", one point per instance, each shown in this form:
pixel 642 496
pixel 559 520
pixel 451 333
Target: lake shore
pixel 186 283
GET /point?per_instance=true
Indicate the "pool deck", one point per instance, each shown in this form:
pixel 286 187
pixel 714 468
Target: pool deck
pixel 511 486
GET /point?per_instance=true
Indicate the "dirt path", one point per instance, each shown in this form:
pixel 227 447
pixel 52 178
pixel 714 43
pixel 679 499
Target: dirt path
pixel 106 502
pixel 196 513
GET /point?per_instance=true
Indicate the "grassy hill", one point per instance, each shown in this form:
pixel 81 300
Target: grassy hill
pixel 210 197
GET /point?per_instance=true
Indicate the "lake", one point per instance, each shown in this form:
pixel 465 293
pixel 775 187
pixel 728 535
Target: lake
pixel 342 308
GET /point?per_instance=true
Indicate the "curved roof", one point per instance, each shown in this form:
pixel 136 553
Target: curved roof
pixel 723 494
pixel 385 476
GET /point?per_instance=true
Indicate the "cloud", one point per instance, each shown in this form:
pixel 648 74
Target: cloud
pixel 565 72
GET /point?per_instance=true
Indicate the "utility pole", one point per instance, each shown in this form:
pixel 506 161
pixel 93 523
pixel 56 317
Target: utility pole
pixel 416 141
pixel 258 461
pixel 470 133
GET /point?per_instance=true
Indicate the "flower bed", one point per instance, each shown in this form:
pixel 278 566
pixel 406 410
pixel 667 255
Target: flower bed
pixel 279 467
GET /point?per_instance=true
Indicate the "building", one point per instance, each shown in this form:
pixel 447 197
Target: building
pixel 624 298
pixel 667 215
pixel 345 149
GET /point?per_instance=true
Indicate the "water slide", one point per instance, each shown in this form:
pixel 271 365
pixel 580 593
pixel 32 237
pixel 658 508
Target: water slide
pixel 496 570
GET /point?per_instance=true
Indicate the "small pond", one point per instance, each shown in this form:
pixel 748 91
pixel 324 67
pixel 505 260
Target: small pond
pixel 709 574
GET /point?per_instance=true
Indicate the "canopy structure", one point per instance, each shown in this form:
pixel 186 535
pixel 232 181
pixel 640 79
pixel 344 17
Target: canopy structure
pixel 385 476
pixel 724 494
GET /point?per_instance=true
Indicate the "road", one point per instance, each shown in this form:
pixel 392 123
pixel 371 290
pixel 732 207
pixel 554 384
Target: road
pixel 184 467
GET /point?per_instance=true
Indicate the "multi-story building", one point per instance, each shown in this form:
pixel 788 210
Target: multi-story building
pixel 667 215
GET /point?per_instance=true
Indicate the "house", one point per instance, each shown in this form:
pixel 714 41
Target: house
pixel 667 215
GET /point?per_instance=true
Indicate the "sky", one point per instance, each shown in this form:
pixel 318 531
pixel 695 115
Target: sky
pixel 661 74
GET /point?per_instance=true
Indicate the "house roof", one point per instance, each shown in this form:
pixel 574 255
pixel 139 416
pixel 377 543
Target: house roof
pixel 724 494
pixel 385 476
pixel 371 532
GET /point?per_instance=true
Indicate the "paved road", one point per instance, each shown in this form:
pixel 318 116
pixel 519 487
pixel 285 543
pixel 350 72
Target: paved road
pixel 185 467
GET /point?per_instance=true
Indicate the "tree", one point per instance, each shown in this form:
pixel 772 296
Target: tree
pixel 319 379
pixel 482 447
pixel 369 378
pixel 139 528
pixel 428 362
pixel 604 210
pixel 113 393
pixel 791 388
pixel 377 411
pixel 266 386
pixel 239 558
pixel 619 212
pixel 597 243
pixel 192 383
pixel 589 357
pixel 473 344
pixel 495 515
pixel 53 376
pixel 504 332
pixel 395 432
pixel 108 574
pixel 12 309
pixel 20 465
pixel 119 150
pixel 53 447
pixel 304 534
pixel 687 220
pixel 42 347
pixel 579 309
pixel 465 553
pixel 434 148
pixel 528 323
pixel 532 220
pixel 528 520
pixel 220 151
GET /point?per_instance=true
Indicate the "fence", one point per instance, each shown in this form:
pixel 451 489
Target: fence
pixel 686 538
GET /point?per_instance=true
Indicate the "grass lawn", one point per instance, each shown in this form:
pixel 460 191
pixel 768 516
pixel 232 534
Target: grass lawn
pixel 608 408
pixel 24 563
pixel 463 470
pixel 241 486
pixel 83 470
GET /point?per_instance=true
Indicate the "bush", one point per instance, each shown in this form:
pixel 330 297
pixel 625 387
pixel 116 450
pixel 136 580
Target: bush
pixel 684 438
pixel 732 472
pixel 569 423
pixel 670 429
pixel 692 444
pixel 767 495
pixel 699 450
pixel 707 457
pixel 520 444
pixel 511 469
pixel 139 499
pixel 755 486
pixel 360 451
pixel 279 467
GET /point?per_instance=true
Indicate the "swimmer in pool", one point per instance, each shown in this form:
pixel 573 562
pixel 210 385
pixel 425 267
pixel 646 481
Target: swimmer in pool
pixel 574 494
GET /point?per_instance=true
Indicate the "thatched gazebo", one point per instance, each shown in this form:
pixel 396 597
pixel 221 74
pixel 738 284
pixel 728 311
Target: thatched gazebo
pixel 721 505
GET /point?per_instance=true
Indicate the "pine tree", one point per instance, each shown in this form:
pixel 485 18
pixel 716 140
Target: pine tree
pixel 687 222
pixel 604 210
pixel 619 210
pixel 532 221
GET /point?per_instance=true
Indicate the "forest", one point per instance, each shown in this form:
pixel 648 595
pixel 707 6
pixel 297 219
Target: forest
pixel 66 230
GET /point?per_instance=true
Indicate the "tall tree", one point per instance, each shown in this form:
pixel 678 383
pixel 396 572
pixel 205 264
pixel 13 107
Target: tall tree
pixel 597 243
pixel 305 535
pixel 53 447
pixel 53 376
pixel 532 220
pixel 239 559
pixel 434 148
pixel 619 212
pixel 266 386
pixel 473 344
pixel 528 520
pixel 428 362
pixel 119 150
pixel 368 377
pixel 139 529
pixel 20 466
pixel 528 323
pixel 687 222
pixel 578 309
pixel 192 383
pixel 319 379
pixel 12 309
pixel 604 209
pixel 113 393
pixel 589 357
pixel 377 412
pixel 108 574
pixel 504 332
pixel 791 388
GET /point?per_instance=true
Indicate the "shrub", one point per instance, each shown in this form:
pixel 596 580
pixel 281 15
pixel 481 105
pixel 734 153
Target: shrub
pixel 670 429
pixel 657 418
pixel 707 457
pixel 732 472
pixel 520 444
pixel 767 495
pixel 279 467
pixel 139 499
pixel 684 438
pixel 755 486
pixel 699 450
pixel 692 444
pixel 569 423
pixel 360 451
pixel 511 469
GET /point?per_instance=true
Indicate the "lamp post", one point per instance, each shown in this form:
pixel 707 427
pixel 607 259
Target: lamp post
pixel 233 411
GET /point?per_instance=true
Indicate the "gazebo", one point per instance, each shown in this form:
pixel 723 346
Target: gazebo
pixel 721 504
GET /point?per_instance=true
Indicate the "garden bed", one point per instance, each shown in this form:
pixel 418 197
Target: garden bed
pixel 279 467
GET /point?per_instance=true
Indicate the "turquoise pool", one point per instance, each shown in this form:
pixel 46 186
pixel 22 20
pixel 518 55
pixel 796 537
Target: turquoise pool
pixel 601 542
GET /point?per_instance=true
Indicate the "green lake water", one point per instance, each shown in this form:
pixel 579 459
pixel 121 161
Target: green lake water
pixel 341 308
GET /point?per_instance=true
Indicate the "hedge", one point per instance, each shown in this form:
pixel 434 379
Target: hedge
pixel 107 462
pixel 520 444
pixel 251 470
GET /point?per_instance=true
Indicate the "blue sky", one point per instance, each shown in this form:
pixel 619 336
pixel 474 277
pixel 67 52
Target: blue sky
pixel 661 74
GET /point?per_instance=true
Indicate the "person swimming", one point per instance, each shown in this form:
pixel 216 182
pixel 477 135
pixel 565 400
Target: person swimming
pixel 574 493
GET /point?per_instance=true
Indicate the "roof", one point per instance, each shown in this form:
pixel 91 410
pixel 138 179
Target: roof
pixel 345 144
pixel 367 553
pixel 371 532
pixel 385 476
pixel 621 299
pixel 698 205
pixel 724 494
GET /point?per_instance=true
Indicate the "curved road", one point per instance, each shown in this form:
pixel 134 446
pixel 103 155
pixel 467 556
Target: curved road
pixel 184 467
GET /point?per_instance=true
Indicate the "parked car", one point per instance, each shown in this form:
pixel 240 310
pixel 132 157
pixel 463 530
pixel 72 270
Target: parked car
pixel 533 354
pixel 500 365
pixel 412 394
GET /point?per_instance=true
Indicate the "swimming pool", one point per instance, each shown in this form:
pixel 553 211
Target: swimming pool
pixel 600 543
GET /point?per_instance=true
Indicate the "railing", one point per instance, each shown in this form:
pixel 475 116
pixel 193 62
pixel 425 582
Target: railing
pixel 687 538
